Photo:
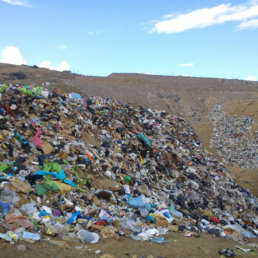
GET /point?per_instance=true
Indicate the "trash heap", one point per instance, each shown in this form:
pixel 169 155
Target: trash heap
pixel 89 168
pixel 231 138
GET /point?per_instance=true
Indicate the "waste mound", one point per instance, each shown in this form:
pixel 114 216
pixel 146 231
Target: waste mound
pixel 90 168
pixel 231 138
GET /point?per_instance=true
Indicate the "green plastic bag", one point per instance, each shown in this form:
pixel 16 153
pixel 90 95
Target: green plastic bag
pixel 27 92
pixel 38 90
pixel 40 190
pixel 3 167
pixel 52 166
pixel 3 87
pixel 128 178
pixel 144 140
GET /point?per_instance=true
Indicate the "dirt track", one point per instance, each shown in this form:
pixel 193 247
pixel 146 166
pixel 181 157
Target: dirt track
pixel 177 246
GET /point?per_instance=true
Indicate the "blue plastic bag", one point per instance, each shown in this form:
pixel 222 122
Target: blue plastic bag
pixel 75 95
pixel 75 215
pixel 137 202
pixel 4 207
pixel 60 176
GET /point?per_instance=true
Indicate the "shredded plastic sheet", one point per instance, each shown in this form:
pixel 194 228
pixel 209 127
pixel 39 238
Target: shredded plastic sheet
pixel 60 176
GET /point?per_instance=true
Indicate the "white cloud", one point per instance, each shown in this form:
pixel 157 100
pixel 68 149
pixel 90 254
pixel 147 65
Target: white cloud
pixel 92 33
pixel 187 65
pixel 12 55
pixel 202 18
pixel 64 66
pixel 62 47
pixel 150 73
pixel 251 24
pixel 14 2
pixel 250 78
pixel 167 16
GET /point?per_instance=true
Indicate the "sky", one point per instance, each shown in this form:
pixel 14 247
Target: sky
pixel 215 38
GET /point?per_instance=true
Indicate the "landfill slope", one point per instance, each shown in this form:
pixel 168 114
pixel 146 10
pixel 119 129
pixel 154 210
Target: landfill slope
pixel 192 98
pixel 90 169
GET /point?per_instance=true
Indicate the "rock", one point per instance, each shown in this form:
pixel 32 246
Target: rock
pixel 253 245
pixel 78 247
pixel 107 256
pixel 22 247
pixel 59 243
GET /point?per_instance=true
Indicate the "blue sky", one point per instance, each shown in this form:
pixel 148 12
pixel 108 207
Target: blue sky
pixel 191 38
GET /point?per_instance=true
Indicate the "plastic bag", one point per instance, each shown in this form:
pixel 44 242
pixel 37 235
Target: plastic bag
pixel 88 237
pixel 16 221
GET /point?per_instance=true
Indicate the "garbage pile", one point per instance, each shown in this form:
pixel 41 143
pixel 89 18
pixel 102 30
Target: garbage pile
pixel 89 168
pixel 195 114
pixel 231 138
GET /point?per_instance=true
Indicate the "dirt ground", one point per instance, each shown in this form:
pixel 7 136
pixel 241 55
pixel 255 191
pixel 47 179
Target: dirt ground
pixel 177 246
pixel 243 108
pixel 247 178
pixel 204 131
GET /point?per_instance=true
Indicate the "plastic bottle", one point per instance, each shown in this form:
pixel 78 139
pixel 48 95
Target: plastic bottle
pixel 159 240
pixel 88 237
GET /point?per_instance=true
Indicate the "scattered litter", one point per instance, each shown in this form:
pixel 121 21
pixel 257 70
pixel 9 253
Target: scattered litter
pixel 246 250
pixel 227 252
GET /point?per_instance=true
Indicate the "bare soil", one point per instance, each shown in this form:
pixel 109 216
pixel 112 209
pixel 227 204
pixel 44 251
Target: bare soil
pixel 177 245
